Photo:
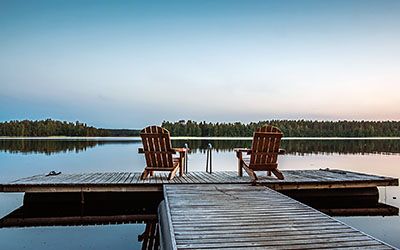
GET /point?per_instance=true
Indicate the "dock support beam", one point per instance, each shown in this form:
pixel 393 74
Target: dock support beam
pixel 240 163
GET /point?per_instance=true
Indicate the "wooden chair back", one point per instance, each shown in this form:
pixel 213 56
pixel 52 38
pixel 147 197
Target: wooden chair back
pixel 265 148
pixel 157 147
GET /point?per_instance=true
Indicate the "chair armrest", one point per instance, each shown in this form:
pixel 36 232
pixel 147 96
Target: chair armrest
pixel 246 150
pixel 174 150
pixel 240 151
pixel 181 150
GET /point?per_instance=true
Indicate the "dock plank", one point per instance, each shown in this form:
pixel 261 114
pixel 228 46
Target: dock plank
pixel 244 216
pixel 133 178
pixel 128 181
pixel 103 178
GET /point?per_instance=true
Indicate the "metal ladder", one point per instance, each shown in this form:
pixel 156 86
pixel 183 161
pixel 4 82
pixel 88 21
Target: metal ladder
pixel 209 159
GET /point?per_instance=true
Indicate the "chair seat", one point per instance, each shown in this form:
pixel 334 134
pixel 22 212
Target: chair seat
pixel 176 162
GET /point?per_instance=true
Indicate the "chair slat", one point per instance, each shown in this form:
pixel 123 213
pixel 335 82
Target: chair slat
pixel 161 145
pixel 146 149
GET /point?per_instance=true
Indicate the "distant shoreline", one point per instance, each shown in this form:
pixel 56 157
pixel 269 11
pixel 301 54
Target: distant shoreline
pixel 135 138
pixel 196 130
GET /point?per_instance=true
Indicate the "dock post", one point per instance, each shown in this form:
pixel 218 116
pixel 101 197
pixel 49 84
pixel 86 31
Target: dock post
pixel 209 158
pixel 207 153
pixel 210 149
pixel 240 163
pixel 82 198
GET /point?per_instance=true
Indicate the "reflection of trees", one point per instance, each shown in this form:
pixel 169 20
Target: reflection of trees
pixel 218 145
pixel 53 146
pixel 341 146
pixel 300 147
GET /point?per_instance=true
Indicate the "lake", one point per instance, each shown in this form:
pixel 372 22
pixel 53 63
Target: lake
pixel 26 157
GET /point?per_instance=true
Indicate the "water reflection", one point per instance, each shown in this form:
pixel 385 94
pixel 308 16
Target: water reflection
pixel 53 146
pixel 292 147
pixel 303 147
pixel 344 202
pixel 65 210
pixel 58 210
pixel 22 158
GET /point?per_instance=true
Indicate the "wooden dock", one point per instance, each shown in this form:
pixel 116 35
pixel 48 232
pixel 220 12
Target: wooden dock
pixel 202 210
pixel 251 217
pixel 131 182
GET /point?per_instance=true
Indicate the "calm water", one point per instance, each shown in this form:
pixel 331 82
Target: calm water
pixel 20 158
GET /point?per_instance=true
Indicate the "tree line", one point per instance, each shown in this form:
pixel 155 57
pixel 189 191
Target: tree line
pixel 290 128
pixel 51 127
pixel 48 127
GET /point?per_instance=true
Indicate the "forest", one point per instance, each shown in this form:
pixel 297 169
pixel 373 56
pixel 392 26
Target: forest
pixel 51 127
pixel 290 128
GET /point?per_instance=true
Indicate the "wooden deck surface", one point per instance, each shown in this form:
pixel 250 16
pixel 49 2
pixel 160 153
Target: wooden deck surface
pixel 251 217
pixel 131 182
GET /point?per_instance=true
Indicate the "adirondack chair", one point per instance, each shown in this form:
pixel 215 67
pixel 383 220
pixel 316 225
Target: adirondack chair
pixel 159 153
pixel 263 153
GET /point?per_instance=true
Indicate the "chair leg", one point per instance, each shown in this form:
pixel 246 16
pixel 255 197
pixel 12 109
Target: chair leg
pixel 240 168
pixel 278 174
pixel 173 173
pixel 144 174
pixel 181 170
pixel 151 173
pixel 251 173
pixel 268 173
pixel 181 163
pixel 240 163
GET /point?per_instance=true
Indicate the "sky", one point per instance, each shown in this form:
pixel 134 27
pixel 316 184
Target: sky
pixel 128 64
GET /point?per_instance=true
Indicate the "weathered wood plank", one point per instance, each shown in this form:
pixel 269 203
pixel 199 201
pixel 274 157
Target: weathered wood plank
pixel 189 178
pixel 89 178
pixel 243 216
pixel 124 177
pixel 135 178
pixel 103 178
pixel 113 177
pixel 294 179
pixel 221 236
pixel 206 176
